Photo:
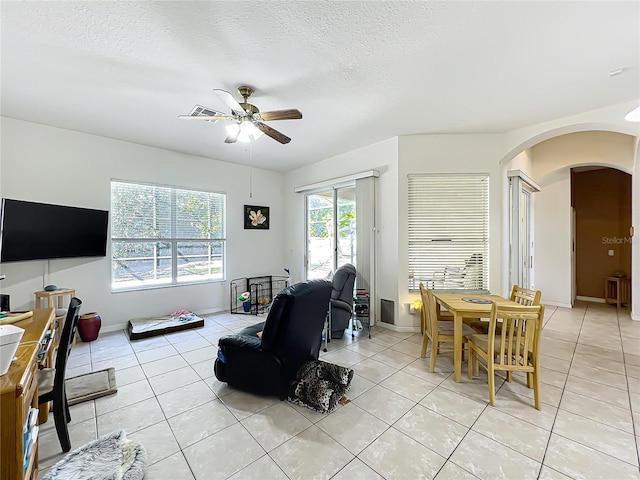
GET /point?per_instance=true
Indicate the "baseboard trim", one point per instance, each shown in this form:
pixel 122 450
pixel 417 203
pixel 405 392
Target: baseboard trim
pixel 590 299
pixel 557 304
pixel 398 328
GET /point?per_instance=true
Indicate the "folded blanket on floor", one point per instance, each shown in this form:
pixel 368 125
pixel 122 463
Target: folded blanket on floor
pixel 320 386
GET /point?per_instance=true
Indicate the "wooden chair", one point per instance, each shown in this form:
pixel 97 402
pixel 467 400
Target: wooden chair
pixel 520 295
pixel 443 316
pixel 524 296
pixel 514 349
pixel 436 330
pixel 51 380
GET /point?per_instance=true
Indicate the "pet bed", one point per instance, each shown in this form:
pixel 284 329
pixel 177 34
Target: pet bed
pixel 148 327
pixel 110 457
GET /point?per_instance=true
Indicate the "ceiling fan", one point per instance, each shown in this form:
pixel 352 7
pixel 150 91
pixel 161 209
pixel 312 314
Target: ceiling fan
pixel 247 119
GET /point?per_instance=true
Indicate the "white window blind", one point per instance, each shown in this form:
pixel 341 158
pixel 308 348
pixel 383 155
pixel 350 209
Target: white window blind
pixel 165 236
pixel 448 229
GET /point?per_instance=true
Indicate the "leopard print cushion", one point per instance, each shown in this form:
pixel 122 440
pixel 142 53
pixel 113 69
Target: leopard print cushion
pixel 320 385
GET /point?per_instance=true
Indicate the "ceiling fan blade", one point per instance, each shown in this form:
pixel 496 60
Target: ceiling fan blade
pixel 276 135
pixel 228 99
pixel 209 118
pixel 290 114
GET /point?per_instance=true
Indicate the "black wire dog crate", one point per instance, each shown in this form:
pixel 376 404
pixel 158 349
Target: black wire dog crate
pixel 261 291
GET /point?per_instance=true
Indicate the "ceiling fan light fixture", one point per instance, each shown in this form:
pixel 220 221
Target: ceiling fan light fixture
pixel 247 131
pixel 633 115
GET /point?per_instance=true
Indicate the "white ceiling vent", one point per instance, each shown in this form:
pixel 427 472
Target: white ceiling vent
pixel 200 111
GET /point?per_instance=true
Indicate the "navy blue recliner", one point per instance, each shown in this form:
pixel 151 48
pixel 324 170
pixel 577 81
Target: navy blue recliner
pixel 291 336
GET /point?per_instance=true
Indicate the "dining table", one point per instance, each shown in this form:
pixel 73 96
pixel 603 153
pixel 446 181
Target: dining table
pixel 465 305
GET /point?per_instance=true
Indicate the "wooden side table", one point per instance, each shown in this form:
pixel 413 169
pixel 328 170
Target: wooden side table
pixel 617 290
pixel 55 298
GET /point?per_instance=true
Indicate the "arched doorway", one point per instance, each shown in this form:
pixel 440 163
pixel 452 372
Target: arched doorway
pixel 549 162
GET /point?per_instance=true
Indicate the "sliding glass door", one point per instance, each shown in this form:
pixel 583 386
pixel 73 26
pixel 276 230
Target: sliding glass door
pixel 331 230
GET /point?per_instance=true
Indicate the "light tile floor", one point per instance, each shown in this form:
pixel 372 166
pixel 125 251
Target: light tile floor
pixel 402 423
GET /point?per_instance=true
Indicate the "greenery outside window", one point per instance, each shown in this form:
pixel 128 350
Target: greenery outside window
pixel 448 232
pixel 164 236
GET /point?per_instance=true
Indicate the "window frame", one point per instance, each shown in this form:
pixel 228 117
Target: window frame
pixel 448 250
pixel 173 240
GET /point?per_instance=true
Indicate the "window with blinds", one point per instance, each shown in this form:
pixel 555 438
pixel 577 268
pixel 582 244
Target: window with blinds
pixel 448 229
pixel 165 236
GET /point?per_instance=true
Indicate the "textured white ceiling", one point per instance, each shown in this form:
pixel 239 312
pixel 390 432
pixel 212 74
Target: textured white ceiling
pixel 360 72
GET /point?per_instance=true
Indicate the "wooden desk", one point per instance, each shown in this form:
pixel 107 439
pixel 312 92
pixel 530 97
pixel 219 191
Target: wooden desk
pixel 18 392
pixel 461 309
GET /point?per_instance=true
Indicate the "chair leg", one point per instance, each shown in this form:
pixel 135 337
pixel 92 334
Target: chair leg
pixel 66 406
pixel 434 352
pixel 425 342
pixel 61 419
pixel 536 389
pixel 492 386
pixel 508 376
pixel 470 365
pixel 529 380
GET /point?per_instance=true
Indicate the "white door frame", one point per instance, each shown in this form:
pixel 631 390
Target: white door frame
pixel 519 182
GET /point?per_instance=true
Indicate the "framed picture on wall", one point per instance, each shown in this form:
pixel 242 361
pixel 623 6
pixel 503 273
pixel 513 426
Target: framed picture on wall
pixel 256 218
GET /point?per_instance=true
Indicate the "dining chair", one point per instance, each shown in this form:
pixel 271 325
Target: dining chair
pixel 515 348
pixel 51 380
pixel 436 330
pixel 520 295
pixel 442 315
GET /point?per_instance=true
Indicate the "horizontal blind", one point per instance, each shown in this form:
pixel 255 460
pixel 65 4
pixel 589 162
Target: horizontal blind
pixel 448 231
pixel 157 212
pixel 140 211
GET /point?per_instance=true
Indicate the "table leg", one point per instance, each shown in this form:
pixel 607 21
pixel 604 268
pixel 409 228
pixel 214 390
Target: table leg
pixel 457 346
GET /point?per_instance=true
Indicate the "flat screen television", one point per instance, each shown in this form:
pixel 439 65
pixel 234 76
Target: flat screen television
pixel 36 231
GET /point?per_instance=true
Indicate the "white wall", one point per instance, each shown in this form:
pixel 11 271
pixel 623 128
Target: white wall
pixel 611 149
pixel 46 164
pixel 552 224
pixel 381 156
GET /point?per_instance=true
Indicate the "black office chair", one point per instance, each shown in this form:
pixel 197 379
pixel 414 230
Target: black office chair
pixel 51 380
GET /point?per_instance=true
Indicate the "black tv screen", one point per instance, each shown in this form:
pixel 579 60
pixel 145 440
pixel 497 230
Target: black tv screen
pixel 36 231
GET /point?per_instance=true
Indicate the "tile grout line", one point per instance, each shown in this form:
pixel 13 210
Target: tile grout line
pixel 563 389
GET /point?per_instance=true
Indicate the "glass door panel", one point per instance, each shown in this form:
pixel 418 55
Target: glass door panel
pixel 329 212
pixel 320 238
pixel 346 215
